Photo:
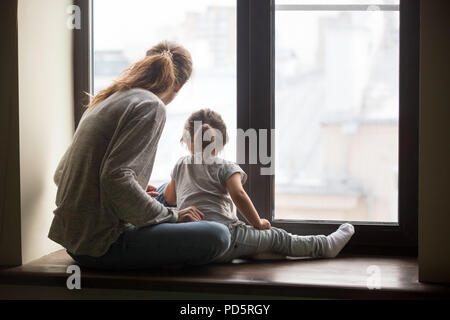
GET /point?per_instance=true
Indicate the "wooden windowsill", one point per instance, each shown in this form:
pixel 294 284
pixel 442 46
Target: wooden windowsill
pixel 342 278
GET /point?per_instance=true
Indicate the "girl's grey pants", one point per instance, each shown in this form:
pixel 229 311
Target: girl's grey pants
pixel 247 241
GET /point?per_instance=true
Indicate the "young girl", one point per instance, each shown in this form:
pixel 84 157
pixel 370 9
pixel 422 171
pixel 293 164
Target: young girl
pixel 212 185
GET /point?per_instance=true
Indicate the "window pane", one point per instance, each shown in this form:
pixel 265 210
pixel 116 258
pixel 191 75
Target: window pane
pixel 338 2
pixel 336 111
pixel 125 30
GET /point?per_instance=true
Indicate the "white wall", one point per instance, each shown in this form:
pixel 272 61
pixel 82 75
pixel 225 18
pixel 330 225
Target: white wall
pixel 45 114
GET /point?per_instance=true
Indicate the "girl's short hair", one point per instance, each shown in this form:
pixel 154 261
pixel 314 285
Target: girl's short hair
pixel 199 123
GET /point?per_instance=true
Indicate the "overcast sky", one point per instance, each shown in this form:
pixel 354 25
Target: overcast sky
pixel 118 23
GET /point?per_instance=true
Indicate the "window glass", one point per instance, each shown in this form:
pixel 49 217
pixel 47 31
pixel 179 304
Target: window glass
pixel 337 111
pixel 337 2
pixel 125 30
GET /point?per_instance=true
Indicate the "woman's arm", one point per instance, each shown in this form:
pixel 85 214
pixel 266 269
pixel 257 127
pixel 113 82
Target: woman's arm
pixel 130 149
pixel 243 202
pixel 170 194
pixel 59 169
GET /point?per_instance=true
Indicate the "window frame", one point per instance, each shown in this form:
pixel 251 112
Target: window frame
pixel 255 109
pixel 82 59
pixel 256 106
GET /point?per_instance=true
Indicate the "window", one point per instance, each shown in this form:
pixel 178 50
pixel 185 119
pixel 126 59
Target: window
pixel 339 87
pixel 207 28
pixel 337 102
pixel 336 80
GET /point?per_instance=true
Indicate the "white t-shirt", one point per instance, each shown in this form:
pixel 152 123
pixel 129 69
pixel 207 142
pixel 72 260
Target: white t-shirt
pixel 204 186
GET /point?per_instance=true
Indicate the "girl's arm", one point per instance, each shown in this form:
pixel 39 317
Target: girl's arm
pixel 243 202
pixel 170 194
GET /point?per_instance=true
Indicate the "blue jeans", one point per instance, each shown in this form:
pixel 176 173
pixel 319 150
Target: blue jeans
pixel 162 245
pixel 160 198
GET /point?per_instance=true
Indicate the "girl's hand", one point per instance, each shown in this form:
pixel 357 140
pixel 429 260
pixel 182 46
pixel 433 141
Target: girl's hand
pixel 263 225
pixel 151 191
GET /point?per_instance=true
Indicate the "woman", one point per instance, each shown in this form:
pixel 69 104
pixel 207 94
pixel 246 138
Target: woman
pixel 105 215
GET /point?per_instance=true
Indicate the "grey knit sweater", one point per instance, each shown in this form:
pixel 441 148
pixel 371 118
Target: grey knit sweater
pixel 103 175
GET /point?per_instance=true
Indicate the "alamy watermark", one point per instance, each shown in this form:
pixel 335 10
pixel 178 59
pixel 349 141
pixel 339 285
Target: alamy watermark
pixel 74 280
pixel 374 280
pixel 74 19
pixel 253 146
pixel 373 8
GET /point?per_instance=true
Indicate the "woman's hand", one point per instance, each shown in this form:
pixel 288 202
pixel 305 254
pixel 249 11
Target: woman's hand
pixel 263 225
pixel 189 215
pixel 151 191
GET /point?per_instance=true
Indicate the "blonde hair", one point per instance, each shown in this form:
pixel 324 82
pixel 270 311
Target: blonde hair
pixel 166 65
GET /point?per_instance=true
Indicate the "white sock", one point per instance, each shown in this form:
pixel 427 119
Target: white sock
pixel 338 239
